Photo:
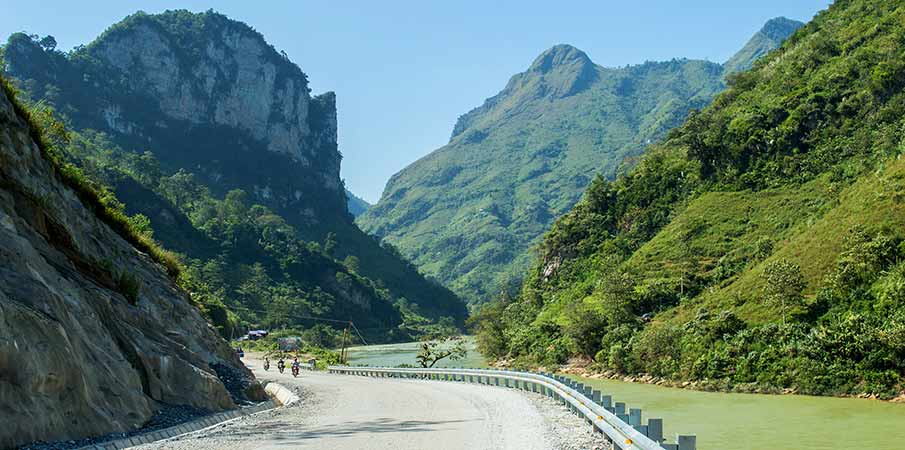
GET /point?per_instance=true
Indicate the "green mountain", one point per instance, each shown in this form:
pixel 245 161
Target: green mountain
pixel 468 212
pixel 759 247
pixel 199 125
pixel 769 38
pixel 357 205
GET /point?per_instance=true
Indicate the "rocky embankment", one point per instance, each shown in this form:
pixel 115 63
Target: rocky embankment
pixel 77 357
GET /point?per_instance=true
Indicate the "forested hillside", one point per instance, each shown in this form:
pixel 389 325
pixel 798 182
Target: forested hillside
pixel 759 247
pixel 469 212
pixel 213 143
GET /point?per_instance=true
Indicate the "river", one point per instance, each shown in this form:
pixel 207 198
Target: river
pixel 725 421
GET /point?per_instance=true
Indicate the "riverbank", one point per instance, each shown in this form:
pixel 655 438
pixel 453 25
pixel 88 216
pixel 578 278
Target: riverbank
pixel 584 369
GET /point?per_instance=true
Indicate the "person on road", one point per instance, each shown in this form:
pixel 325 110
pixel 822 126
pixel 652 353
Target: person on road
pixel 295 366
pixel 266 363
pixel 281 364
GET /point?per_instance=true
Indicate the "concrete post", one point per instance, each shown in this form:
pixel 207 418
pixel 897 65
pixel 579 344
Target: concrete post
pixel 620 408
pixel 634 417
pixel 687 442
pixel 595 396
pixel 655 429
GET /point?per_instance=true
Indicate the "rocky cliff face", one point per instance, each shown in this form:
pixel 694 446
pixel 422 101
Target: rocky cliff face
pixel 77 358
pixel 152 78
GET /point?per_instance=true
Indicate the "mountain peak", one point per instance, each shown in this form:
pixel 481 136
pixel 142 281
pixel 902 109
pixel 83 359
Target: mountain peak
pixel 780 28
pixel 767 39
pixel 557 56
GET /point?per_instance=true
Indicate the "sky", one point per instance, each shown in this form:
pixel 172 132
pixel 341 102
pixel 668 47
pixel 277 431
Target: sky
pixel 405 70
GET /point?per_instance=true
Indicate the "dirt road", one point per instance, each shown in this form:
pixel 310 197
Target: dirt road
pixel 350 412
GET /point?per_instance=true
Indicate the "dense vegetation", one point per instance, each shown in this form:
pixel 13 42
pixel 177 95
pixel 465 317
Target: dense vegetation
pixel 760 247
pixel 469 212
pixel 211 192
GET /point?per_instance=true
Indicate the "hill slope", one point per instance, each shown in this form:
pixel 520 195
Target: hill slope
pixel 96 336
pixel 769 38
pixel 759 247
pixel 357 205
pixel 222 109
pixel 468 212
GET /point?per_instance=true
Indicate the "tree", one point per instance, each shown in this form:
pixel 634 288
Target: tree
pixel 48 43
pixel 435 348
pixel 352 263
pixel 784 284
pixel 330 244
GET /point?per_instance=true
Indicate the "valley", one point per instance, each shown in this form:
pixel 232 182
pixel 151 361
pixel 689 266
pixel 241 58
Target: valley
pixel 590 239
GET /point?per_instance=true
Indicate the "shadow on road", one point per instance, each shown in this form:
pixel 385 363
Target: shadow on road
pixel 280 430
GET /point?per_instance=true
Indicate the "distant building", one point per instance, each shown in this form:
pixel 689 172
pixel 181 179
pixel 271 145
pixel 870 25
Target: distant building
pixel 257 334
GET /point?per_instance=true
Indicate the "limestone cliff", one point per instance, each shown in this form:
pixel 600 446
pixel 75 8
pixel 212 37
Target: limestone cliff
pixel 204 93
pixel 77 358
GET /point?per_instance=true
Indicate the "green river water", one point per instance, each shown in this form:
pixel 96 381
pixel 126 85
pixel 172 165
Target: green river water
pixel 726 421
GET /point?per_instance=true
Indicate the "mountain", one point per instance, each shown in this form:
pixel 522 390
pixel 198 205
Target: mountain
pixel 759 248
pixel 97 336
pixel 469 212
pixel 769 38
pixel 357 205
pixel 197 123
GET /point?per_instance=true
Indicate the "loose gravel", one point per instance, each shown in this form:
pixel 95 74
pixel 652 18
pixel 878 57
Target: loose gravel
pixel 167 416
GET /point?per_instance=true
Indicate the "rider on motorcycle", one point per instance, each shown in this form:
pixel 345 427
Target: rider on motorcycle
pixel 281 364
pixel 266 363
pixel 295 365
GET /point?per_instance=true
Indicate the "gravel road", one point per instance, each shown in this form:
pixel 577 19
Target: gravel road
pixel 351 412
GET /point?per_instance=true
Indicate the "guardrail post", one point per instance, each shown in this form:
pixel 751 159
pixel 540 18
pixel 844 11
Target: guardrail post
pixel 620 408
pixel 634 417
pixel 595 396
pixel 655 429
pixel 687 442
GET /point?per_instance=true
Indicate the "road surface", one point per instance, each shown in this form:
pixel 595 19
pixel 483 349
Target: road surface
pixel 351 412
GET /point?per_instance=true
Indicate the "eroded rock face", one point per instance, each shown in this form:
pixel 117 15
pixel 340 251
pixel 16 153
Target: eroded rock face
pixel 77 358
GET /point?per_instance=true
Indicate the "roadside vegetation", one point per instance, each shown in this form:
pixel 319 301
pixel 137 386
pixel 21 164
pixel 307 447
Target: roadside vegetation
pixel 758 248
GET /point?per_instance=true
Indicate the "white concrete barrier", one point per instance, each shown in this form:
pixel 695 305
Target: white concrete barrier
pixel 281 394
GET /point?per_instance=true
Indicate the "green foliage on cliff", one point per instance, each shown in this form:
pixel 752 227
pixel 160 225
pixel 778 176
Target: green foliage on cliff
pixel 469 212
pixel 759 247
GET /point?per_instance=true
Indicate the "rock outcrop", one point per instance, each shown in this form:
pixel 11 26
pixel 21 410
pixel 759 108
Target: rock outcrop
pixel 77 357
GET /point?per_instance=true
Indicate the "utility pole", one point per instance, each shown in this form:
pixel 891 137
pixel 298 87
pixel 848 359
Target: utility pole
pixel 342 354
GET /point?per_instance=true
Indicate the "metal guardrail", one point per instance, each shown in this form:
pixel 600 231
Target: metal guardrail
pixel 623 428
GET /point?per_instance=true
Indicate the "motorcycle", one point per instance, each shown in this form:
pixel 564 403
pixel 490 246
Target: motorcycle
pixel 266 365
pixel 295 371
pixel 281 366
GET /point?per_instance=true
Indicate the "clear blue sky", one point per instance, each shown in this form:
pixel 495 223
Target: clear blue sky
pixel 404 71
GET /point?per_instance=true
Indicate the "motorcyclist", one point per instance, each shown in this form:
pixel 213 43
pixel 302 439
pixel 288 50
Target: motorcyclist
pixel 266 363
pixel 295 366
pixel 281 364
